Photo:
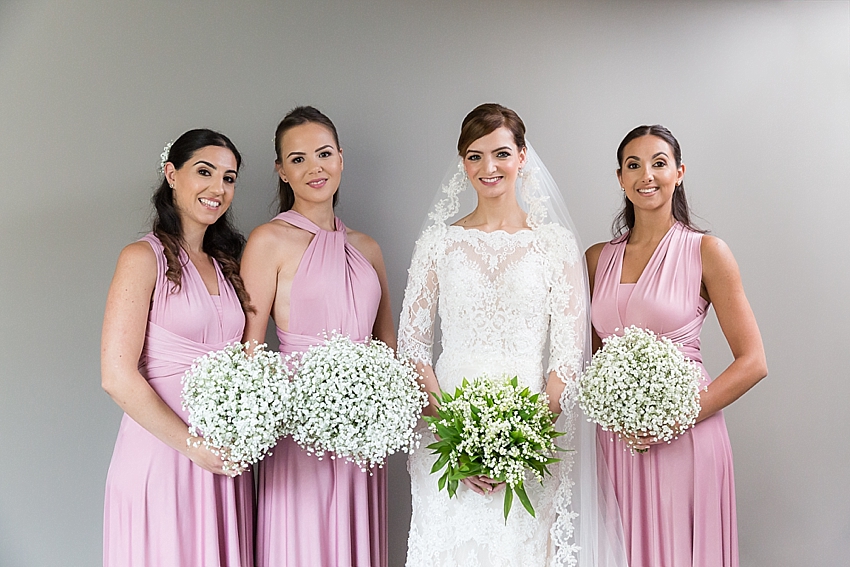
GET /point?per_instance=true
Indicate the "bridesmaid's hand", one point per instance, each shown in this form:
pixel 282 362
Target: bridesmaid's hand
pixel 203 456
pixel 638 442
pixel 642 441
pixel 482 484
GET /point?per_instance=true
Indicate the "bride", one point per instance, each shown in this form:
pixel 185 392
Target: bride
pixel 508 281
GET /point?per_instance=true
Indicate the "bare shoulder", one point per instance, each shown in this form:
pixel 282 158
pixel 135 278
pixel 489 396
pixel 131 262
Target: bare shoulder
pixel 137 258
pixel 592 256
pixel 365 244
pixel 716 256
pixel 276 237
pixel 136 270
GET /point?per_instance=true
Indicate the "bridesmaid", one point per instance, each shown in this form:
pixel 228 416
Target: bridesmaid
pixel 314 275
pixel 677 500
pixel 176 295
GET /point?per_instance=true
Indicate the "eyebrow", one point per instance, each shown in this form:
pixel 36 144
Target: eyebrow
pixel 494 151
pixel 653 157
pixel 211 166
pixel 326 146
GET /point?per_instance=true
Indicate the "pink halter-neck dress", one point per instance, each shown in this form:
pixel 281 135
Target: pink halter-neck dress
pixel 161 509
pixel 677 501
pixel 323 513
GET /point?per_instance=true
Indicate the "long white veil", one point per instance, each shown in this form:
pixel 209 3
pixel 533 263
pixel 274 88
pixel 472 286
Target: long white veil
pixel 588 529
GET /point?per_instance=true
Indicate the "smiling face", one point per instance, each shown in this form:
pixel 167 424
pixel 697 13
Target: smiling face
pixel 492 163
pixel 311 162
pixel 649 174
pixel 204 185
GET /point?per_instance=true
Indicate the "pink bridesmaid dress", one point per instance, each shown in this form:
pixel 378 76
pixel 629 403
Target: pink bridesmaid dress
pixel 162 510
pixel 677 501
pixel 311 512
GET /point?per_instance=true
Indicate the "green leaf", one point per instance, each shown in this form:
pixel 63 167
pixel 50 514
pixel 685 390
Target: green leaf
pixel 509 499
pixel 523 497
pixel 440 463
pixel 441 483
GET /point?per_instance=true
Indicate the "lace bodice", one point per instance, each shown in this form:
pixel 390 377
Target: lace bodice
pixel 501 298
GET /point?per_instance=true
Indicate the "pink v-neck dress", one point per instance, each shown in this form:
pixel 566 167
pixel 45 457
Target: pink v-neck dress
pixel 323 513
pixel 161 509
pixel 677 501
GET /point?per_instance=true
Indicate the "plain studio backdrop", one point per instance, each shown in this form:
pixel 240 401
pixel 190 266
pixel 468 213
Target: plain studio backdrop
pixel 758 94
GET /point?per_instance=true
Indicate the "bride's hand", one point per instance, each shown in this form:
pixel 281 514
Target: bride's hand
pixel 482 484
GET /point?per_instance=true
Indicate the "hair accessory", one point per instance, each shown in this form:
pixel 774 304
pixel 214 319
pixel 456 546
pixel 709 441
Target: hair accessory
pixel 163 157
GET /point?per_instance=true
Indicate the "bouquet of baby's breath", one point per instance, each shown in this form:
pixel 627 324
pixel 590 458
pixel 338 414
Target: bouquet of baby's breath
pixel 494 428
pixel 640 383
pixel 236 401
pixel 353 400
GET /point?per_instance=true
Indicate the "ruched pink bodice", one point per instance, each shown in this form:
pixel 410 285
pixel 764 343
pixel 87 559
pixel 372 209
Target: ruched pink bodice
pixel 666 298
pixel 161 509
pixel 323 513
pixel 677 500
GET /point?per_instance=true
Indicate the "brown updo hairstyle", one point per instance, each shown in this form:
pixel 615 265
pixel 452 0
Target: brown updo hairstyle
pixel 221 239
pixel 296 117
pixel 487 118
pixel 625 219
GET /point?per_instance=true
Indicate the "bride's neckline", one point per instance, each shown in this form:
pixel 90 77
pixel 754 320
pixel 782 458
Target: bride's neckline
pixel 497 231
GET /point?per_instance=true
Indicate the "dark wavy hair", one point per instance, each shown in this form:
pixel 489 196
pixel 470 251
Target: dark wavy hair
pixel 296 117
pixel 221 240
pixel 625 219
pixel 486 118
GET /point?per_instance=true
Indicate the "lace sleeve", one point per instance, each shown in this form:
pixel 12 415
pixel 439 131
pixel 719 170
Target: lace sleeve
pixel 568 298
pixel 418 311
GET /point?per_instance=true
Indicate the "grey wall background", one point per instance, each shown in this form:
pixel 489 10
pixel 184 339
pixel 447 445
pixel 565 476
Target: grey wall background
pixel 758 93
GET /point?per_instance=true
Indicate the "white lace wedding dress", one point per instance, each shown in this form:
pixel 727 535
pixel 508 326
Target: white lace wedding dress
pixel 502 299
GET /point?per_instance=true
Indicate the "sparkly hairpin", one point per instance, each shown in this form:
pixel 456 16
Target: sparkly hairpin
pixel 163 157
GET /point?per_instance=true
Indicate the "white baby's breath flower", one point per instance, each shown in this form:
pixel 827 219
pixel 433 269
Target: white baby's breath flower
pixel 640 383
pixel 236 402
pixel 353 400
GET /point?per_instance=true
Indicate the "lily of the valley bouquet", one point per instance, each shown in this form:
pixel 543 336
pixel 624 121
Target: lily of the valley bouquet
pixel 356 401
pixel 235 399
pixel 638 383
pixel 495 428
